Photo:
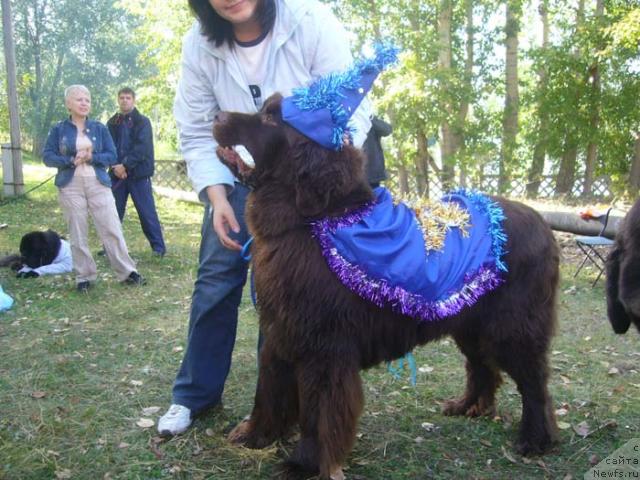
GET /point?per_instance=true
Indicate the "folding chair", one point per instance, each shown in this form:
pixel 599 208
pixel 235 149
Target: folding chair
pixel 589 245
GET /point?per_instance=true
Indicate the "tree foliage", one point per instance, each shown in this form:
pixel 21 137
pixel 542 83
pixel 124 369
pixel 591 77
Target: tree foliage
pixel 576 115
pixel 59 43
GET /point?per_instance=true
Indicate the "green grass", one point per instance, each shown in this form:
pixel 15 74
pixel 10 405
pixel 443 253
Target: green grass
pixel 100 359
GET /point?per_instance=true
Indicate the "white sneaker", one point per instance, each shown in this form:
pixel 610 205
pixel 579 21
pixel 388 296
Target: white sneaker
pixel 175 421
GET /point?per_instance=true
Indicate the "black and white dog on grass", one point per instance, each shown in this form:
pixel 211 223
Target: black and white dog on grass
pixel 41 253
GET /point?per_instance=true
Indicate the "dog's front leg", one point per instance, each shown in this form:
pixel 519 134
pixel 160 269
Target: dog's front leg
pixel 276 403
pixel 331 401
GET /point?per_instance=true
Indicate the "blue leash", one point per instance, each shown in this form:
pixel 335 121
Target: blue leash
pixel 411 362
pixel 245 253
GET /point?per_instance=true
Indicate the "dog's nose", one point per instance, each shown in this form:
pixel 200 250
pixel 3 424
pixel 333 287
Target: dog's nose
pixel 221 117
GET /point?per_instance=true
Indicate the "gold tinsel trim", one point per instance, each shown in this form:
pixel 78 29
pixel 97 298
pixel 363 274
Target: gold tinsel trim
pixel 436 218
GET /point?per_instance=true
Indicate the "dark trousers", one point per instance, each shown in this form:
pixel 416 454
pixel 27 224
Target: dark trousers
pixel 214 314
pixel 142 196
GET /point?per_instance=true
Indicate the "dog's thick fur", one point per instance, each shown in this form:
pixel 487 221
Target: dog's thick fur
pixel 36 249
pixel 318 335
pixel 623 274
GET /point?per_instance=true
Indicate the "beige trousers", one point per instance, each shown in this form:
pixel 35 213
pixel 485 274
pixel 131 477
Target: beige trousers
pixel 87 195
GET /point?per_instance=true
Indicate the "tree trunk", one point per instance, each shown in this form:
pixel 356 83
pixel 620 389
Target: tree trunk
pixel 634 174
pixel 403 177
pixel 573 223
pixel 540 149
pixel 422 164
pixel 592 147
pixel 445 15
pixel 511 105
pixel 567 171
pixel 54 94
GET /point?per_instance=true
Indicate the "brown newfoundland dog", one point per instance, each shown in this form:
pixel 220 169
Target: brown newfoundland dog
pixel 318 335
pixel 623 274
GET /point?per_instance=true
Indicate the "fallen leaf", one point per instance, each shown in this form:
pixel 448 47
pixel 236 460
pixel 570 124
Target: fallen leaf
pixel 582 429
pixel 564 425
pixel 123 445
pixel 63 474
pixel 615 408
pixel 38 394
pixel 508 456
pixel 429 427
pixel 561 412
pixel 613 371
pixel 418 439
pixel 153 445
pixel 176 349
pixel 486 443
pixel 209 432
pixel 594 460
pixel 568 476
pixel 145 423
pixel 136 383
pixel 425 369
pixel 150 411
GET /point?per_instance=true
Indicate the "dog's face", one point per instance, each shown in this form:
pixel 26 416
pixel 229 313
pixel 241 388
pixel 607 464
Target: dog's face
pixel 263 134
pixel 317 177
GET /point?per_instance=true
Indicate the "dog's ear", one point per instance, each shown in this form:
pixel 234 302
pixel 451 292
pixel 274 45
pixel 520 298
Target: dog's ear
pixel 321 175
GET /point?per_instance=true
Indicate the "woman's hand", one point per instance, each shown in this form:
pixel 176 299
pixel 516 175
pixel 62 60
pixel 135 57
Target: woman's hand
pixel 224 219
pixel 83 156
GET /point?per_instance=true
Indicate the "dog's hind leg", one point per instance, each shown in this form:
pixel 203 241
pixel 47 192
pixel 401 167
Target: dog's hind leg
pixel 331 401
pixel 527 365
pixel 483 379
pixel 275 407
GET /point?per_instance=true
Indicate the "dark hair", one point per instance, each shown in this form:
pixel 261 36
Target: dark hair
pixel 219 30
pixel 127 90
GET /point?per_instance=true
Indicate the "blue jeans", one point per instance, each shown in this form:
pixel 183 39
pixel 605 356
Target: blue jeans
pixel 142 196
pixel 214 314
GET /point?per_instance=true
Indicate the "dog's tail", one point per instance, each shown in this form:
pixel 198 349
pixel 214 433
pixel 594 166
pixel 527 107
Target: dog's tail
pixel 14 262
pixel 618 316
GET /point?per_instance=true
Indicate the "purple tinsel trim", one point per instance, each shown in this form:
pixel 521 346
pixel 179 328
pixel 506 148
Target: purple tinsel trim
pixel 331 224
pixel 381 294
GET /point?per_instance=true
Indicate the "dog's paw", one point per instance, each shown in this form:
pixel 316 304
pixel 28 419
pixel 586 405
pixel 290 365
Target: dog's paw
pixel 530 447
pixel 455 406
pixel 241 432
pixel 461 406
pixel 290 470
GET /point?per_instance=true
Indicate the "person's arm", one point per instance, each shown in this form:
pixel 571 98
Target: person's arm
pixel 63 262
pixel 331 53
pixel 108 156
pixel 194 109
pixel 142 145
pixel 53 269
pixel 51 154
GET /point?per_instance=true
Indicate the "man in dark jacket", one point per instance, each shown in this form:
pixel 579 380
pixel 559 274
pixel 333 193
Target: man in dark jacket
pixel 375 168
pixel 132 134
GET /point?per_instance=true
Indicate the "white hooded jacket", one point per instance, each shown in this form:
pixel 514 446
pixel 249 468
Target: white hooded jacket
pixel 307 42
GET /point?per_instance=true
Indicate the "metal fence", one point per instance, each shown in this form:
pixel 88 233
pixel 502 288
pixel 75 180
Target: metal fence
pixel 173 174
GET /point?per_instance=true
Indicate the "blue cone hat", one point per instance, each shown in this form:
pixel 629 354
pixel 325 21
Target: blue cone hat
pixel 322 110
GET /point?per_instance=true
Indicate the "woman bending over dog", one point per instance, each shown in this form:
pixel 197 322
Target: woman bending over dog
pixel 236 55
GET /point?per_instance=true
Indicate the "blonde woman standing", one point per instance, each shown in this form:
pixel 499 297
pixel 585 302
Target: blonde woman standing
pixel 82 150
